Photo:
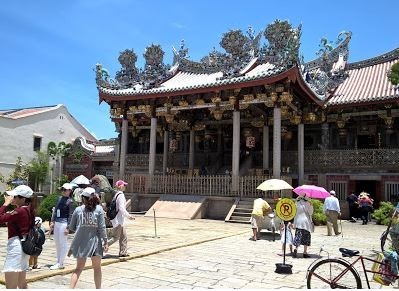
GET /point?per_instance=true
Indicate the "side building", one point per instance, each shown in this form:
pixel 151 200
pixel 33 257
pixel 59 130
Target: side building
pixel 25 131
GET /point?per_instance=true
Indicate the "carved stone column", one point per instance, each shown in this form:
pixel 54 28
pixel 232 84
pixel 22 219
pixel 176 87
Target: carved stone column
pixel 236 150
pixel 301 154
pixel 122 161
pixel 276 142
pixel 153 142
pixel 265 147
pixel 165 151
pixel 191 149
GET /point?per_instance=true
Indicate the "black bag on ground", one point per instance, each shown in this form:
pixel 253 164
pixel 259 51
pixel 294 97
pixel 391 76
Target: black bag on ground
pixel 111 208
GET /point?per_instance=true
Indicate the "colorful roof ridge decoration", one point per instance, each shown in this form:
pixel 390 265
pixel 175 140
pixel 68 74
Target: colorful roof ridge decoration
pixel 244 60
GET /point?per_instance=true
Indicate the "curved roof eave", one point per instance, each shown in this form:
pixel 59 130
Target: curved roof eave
pixel 293 74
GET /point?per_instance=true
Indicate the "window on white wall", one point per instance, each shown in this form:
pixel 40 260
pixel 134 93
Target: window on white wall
pixel 340 188
pixel 37 143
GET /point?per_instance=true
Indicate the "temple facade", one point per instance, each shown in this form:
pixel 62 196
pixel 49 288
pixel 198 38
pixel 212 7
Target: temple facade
pixel 224 124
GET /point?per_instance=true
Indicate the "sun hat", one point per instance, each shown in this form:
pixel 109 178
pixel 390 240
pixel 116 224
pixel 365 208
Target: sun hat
pixel 38 220
pixel 120 183
pixel 21 190
pixel 88 192
pixel 81 180
pixel 332 192
pixel 66 186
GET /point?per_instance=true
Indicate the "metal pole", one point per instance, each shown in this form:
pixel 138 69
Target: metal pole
pixel 155 224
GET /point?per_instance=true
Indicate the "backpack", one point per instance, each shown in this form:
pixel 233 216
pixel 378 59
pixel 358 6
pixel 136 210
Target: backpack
pixel 111 209
pixel 33 243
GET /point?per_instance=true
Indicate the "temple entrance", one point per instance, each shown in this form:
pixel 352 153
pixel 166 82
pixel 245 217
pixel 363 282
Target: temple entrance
pixel 369 186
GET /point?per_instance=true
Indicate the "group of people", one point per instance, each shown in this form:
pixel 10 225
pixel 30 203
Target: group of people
pixel 302 224
pixel 86 220
pixel 360 206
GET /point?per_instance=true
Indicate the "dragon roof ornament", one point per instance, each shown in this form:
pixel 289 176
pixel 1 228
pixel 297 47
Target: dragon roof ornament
pixel 328 71
pixel 242 50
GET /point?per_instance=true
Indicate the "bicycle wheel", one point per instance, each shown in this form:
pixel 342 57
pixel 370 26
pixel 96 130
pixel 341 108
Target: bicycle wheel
pixel 324 275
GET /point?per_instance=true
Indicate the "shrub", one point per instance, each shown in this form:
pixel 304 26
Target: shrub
pixel 46 207
pixel 319 218
pixel 383 213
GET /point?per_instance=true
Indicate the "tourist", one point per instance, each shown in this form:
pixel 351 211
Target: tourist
pixel 332 210
pixel 118 229
pixel 19 222
pixel 365 206
pixel 90 238
pixel 286 235
pixel 59 222
pixel 353 205
pixel 259 210
pixel 33 260
pixel 303 224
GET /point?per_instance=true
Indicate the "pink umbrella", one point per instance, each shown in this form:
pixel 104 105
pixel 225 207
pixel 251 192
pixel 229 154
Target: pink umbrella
pixel 312 191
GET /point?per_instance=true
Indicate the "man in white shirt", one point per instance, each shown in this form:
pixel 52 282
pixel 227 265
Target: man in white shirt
pixel 118 231
pixel 333 211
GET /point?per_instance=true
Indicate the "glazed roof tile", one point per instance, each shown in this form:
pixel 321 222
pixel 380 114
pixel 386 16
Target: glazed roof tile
pixel 365 84
pixel 24 112
pixel 186 81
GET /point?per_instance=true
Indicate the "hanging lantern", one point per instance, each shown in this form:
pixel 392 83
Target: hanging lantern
pixel 250 141
pixel 173 145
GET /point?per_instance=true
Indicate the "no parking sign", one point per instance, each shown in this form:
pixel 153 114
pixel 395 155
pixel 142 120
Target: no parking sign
pixel 286 209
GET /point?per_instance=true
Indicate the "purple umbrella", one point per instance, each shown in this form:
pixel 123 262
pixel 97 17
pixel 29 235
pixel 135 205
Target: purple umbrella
pixel 312 191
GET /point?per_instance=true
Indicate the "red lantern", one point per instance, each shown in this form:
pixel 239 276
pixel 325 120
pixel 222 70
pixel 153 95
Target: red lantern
pixel 250 142
pixel 173 145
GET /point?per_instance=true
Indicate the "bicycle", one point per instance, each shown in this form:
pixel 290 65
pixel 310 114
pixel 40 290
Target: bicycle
pixel 340 273
pixel 390 237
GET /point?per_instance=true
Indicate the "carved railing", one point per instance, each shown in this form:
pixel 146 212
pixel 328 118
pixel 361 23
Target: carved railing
pixel 198 185
pixel 336 160
pixel 315 160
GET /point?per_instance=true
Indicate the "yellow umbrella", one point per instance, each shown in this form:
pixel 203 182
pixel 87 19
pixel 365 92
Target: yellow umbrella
pixel 274 184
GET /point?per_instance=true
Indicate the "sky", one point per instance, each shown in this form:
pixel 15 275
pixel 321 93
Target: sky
pixel 49 48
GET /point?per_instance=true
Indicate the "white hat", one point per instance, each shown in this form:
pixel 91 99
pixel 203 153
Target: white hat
pixel 21 190
pixel 67 186
pixel 81 180
pixel 38 220
pixel 88 192
pixel 332 192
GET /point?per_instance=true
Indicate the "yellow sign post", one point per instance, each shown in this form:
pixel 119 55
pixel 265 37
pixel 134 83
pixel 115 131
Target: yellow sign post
pixel 286 209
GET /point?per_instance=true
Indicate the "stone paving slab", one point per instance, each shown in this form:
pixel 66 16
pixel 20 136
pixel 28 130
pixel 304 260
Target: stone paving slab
pixel 193 254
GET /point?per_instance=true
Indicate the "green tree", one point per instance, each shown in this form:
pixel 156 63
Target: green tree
pixel 38 169
pixel 20 173
pixel 393 74
pixel 58 152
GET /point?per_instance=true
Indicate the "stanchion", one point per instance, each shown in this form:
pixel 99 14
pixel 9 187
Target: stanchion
pixel 286 210
pixel 155 224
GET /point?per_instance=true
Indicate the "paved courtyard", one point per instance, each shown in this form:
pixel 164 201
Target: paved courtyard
pixel 191 254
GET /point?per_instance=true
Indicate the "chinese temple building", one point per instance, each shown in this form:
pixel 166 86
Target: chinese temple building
pixel 224 124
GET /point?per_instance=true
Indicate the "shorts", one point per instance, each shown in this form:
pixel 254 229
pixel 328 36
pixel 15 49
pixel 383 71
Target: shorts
pixel 16 260
pixel 255 221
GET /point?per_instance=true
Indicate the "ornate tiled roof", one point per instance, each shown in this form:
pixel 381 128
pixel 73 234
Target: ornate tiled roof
pixel 186 81
pixel 243 60
pixel 367 81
